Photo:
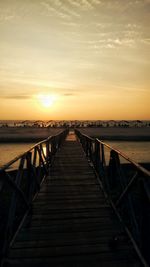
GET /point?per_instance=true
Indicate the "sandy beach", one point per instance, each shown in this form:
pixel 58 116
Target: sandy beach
pixel 28 134
pixel 18 134
pixel 118 133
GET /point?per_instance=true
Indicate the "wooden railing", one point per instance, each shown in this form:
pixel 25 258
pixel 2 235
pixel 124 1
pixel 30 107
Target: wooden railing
pixel 127 186
pixel 19 187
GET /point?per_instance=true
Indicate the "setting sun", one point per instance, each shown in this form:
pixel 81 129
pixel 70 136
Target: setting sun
pixel 46 100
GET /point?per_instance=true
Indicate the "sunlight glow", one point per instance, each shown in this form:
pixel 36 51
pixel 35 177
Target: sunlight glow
pixel 46 100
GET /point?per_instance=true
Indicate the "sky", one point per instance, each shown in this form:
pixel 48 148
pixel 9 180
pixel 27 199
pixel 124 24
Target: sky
pixel 74 59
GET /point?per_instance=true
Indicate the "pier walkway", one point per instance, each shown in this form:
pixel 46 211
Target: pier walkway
pixel 72 223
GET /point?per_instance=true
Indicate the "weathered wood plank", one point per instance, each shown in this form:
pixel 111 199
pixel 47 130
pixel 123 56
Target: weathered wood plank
pixel 73 240
pixel 26 236
pixel 66 250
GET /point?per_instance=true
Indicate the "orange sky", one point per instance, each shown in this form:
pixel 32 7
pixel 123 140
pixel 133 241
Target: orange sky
pixel 89 58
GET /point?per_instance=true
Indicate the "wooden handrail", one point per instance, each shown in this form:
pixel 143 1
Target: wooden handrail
pixel 127 187
pixel 123 155
pixel 8 164
pixel 18 187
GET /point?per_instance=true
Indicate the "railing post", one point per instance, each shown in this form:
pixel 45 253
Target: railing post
pixel 97 156
pixel 3 233
pixel 90 149
pixel 53 145
pixel 112 171
pixel 145 231
pixel 48 156
pixel 86 147
pixel 30 188
pixel 116 180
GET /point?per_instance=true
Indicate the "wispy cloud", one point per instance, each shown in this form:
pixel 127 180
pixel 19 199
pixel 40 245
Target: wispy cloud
pixel 87 4
pixel 107 43
pixel 74 3
pixel 96 2
pixel 84 4
pixel 17 97
pixel 145 41
pixel 71 24
pixel 6 15
pixel 54 11
pixel 71 12
pixel 69 94
pixel 60 9
pixel 4 18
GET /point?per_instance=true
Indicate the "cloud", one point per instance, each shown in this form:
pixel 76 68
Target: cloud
pixel 54 11
pixel 103 42
pixel 71 24
pixel 146 41
pixel 87 4
pixel 60 9
pixel 96 2
pixel 6 16
pixel 84 4
pixel 69 94
pixel 74 3
pixel 17 97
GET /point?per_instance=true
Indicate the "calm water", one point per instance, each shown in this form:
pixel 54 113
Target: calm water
pixel 138 151
pixel 11 150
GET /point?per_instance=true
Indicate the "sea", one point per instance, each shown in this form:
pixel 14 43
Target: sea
pixel 8 151
pixel 137 151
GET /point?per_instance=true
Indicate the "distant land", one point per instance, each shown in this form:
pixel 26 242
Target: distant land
pixel 35 131
pixel 75 123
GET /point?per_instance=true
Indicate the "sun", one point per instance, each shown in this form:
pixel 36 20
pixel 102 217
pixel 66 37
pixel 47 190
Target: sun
pixel 46 100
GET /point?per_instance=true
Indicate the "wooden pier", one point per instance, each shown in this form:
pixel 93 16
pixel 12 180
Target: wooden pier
pixel 72 223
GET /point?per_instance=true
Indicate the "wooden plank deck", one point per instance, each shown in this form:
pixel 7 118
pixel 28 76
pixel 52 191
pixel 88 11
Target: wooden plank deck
pixel 72 223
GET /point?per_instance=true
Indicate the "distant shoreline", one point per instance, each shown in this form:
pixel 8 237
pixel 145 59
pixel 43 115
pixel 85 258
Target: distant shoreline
pixel 118 134
pixel 30 135
pixel 26 135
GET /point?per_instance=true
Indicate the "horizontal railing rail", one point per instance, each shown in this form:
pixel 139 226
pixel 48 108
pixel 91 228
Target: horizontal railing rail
pixel 19 186
pixel 127 186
